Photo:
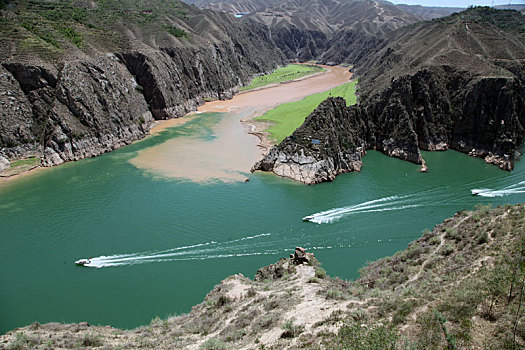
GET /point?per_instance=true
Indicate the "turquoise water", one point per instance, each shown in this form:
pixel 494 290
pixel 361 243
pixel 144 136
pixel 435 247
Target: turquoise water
pixel 162 244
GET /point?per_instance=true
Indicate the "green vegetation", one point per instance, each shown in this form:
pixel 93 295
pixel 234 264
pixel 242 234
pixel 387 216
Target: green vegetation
pixel 214 344
pixel 25 162
pixel 47 27
pixel 176 32
pixel 288 117
pixel 290 72
pixel 361 337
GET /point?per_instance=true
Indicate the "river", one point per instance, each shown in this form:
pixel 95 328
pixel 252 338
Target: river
pixel 162 240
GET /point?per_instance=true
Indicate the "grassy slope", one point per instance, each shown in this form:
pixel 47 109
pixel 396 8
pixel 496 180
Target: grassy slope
pixel 52 28
pixel 288 117
pixel 290 72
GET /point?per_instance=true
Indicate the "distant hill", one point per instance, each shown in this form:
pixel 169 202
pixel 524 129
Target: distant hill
pixel 429 12
pixel 331 31
pixel 236 6
pixel 515 7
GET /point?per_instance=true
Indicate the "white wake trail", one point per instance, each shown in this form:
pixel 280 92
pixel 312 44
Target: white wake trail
pixel 505 191
pixel 377 205
pixel 199 251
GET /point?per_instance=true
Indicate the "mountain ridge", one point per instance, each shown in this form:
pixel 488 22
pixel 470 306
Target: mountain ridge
pixel 141 61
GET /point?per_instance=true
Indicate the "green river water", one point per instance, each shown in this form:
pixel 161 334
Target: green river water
pixel 162 244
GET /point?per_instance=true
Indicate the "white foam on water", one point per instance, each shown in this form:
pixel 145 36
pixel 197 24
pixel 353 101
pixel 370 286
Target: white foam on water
pixel 201 251
pixel 377 205
pixel 505 191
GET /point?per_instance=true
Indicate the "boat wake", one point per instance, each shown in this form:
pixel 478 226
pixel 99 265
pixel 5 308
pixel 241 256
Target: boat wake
pixel 201 251
pixel 377 205
pixel 505 191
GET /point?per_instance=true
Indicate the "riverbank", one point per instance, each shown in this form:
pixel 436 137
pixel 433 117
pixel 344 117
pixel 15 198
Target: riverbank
pixel 246 106
pixel 216 142
pixel 268 97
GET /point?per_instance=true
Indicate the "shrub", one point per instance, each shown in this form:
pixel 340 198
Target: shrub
pixel 452 234
pixel 435 240
pixel 291 330
pixel 265 321
pixel 91 340
pixel 176 32
pixel 214 344
pixel 482 238
pixel 447 249
pixel 334 294
pixel 222 300
pixel 320 272
pixel 353 336
pixel 72 36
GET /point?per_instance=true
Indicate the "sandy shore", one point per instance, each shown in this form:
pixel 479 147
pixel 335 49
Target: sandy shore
pixel 244 106
pixel 268 97
pixel 229 154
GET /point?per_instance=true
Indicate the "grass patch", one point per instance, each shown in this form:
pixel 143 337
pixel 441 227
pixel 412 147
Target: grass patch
pixel 290 72
pixel 289 116
pixel 28 161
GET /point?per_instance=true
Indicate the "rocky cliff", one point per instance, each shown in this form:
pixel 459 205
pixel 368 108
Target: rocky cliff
pixel 80 78
pixel 456 83
pixel 459 286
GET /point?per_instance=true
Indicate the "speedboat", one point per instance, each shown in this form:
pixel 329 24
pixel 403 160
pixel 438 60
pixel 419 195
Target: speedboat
pixel 477 191
pixel 83 262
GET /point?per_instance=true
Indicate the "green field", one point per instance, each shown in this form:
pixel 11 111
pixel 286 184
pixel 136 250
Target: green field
pixel 288 117
pixel 290 72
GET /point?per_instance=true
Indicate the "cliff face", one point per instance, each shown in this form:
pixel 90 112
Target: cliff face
pixel 331 141
pixel 69 96
pixel 458 286
pixel 453 83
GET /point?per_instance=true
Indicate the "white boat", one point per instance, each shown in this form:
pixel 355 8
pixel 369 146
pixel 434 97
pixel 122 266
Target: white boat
pixel 83 262
pixel 477 191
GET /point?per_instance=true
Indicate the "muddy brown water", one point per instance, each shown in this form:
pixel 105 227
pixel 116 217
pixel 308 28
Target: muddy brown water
pixel 232 150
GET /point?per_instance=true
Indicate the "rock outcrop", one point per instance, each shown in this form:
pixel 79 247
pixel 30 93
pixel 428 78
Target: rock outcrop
pixel 331 141
pixel 4 164
pixel 414 96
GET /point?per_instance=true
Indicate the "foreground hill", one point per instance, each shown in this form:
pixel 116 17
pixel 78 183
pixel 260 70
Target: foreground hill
pixel 79 78
pixel 456 82
pixel 458 286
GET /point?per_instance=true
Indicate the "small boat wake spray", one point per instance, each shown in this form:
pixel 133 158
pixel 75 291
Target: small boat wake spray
pixel 83 262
